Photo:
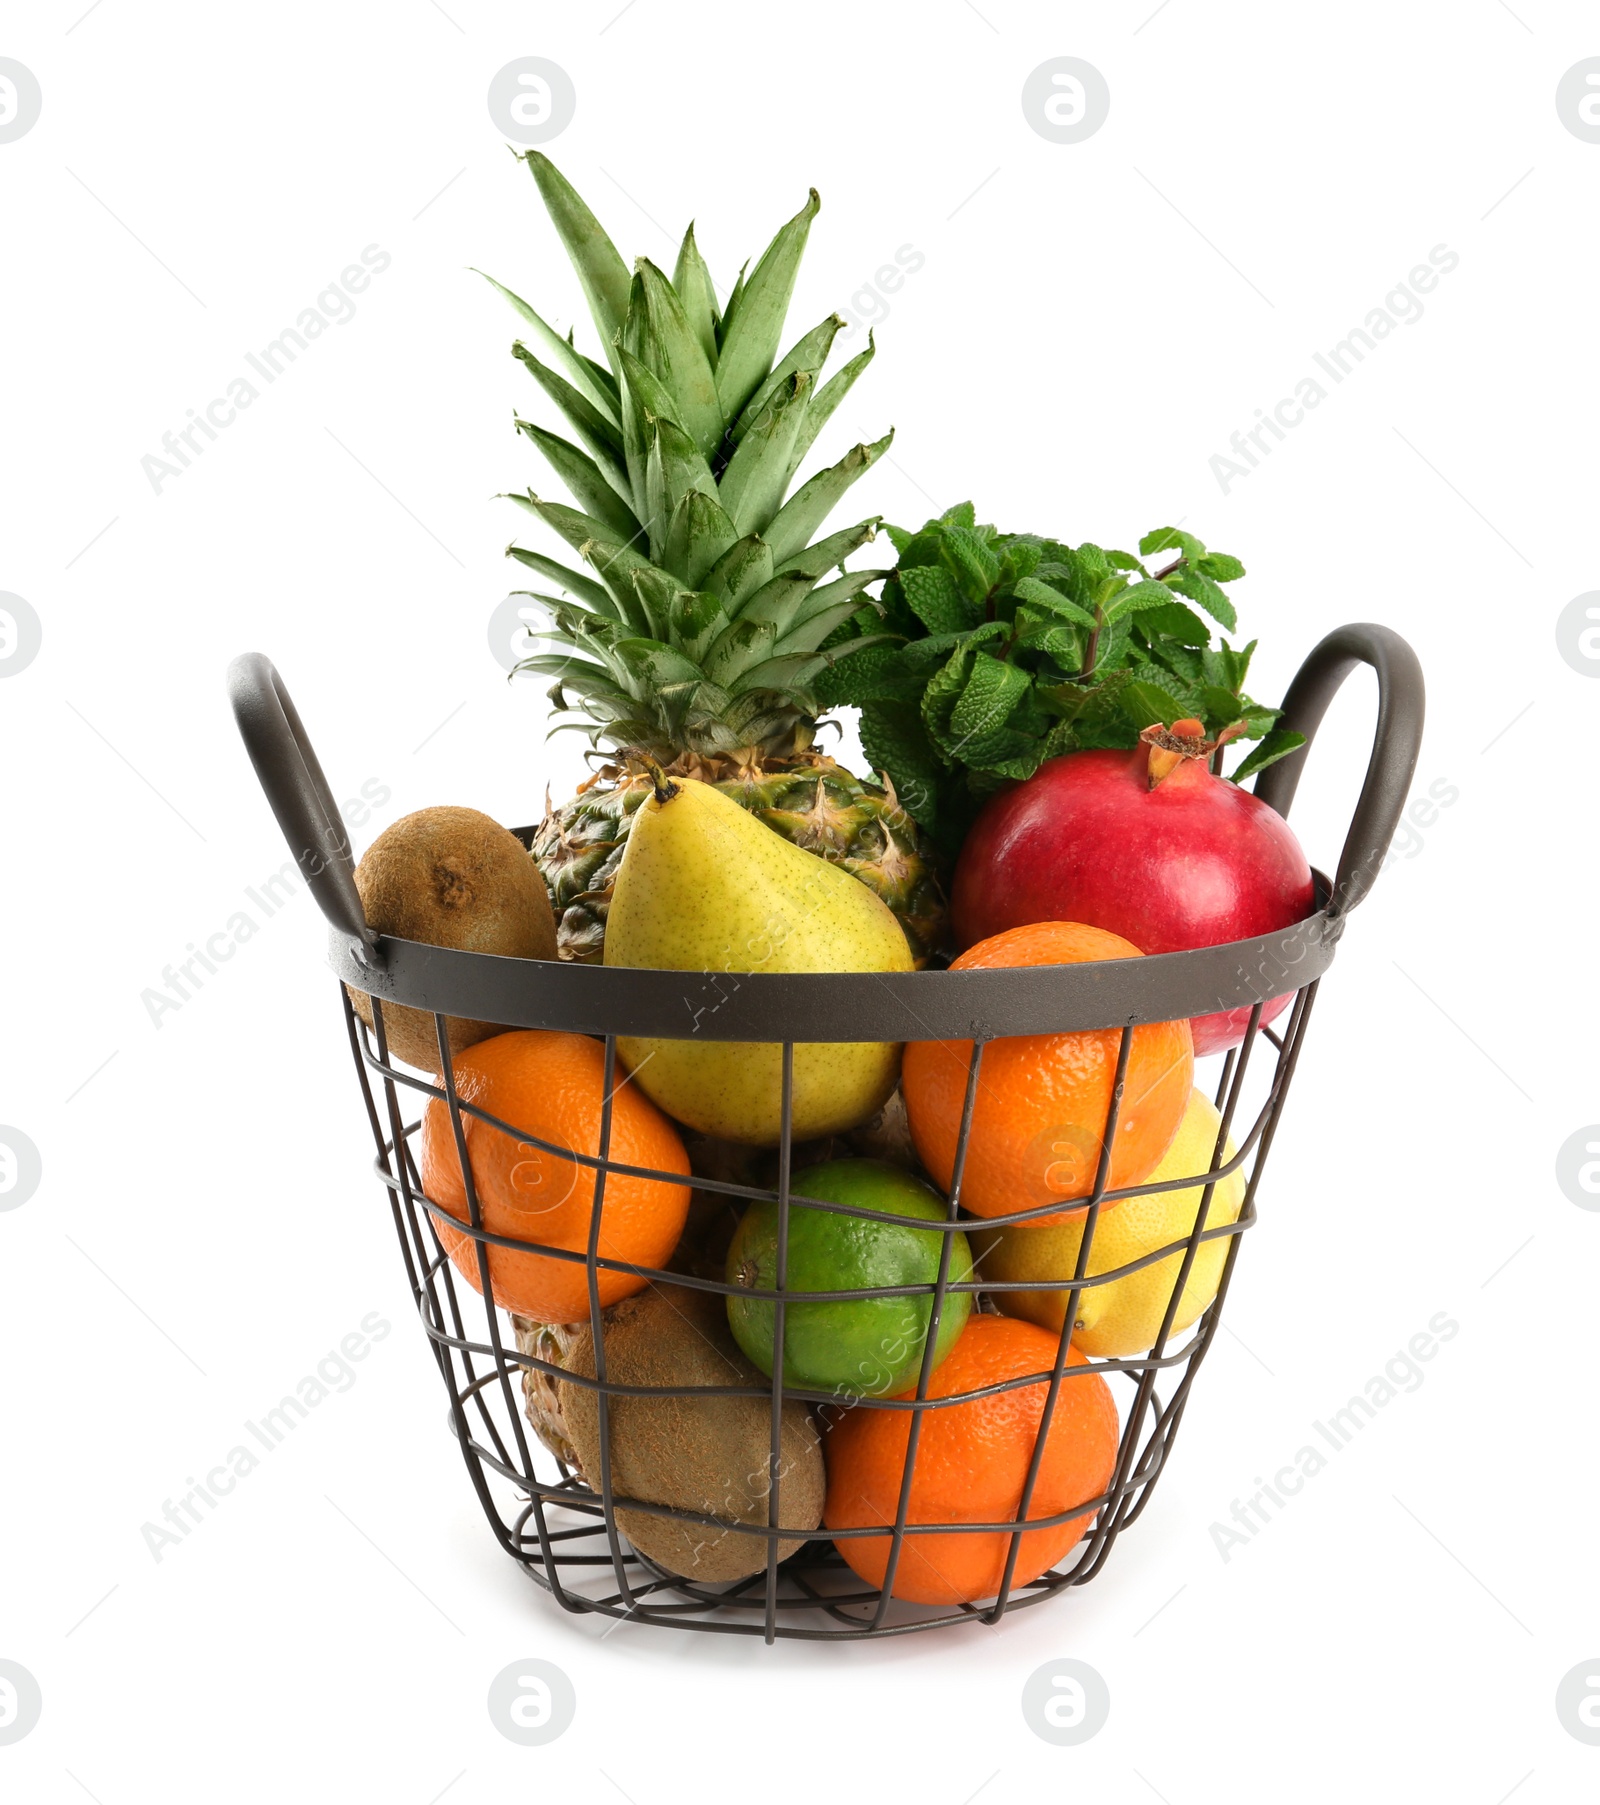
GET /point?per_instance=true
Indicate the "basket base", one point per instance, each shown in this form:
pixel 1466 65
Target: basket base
pixel 817 1597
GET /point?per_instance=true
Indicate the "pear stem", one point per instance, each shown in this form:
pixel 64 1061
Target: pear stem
pixel 663 785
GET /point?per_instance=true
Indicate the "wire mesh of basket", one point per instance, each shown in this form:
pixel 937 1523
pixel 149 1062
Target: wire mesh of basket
pixel 570 1524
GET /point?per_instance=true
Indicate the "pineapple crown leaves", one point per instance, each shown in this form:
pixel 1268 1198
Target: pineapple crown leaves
pixel 997 651
pixel 703 616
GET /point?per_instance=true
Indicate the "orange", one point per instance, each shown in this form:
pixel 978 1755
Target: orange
pixel 1040 1114
pixel 972 1461
pixel 550 1086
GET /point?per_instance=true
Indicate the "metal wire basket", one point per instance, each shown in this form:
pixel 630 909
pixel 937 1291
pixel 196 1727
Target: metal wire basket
pixel 561 1525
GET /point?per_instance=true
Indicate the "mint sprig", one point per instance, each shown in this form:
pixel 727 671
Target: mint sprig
pixel 997 651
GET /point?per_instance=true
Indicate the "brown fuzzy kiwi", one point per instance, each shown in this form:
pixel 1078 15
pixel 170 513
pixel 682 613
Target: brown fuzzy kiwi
pixel 451 877
pixel 551 1342
pixel 700 1454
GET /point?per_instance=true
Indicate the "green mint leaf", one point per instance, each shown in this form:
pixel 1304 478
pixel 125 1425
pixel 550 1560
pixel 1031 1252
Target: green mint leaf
pixel 971 562
pixel 1278 744
pixel 1019 559
pixel 944 691
pixel 966 707
pixel 1175 622
pixel 1145 703
pixel 1220 567
pixel 1222 706
pixel 924 655
pixel 1257 718
pixel 896 743
pixel 1062 570
pixel 1062 645
pixel 1198 587
pixel 1005 754
pixel 1040 594
pixel 922 546
pixel 1187 695
pixel 1221 668
pixel 992 691
pixel 1022 766
pixel 963 514
pixel 1171 539
pixel 1181 660
pixel 933 596
pixel 1111 654
pixel 874 674
pixel 897 615
pixel 1138 596
pixel 1093 566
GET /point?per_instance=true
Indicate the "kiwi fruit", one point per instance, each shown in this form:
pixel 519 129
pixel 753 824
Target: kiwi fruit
pixel 553 1343
pixel 451 877
pixel 689 1453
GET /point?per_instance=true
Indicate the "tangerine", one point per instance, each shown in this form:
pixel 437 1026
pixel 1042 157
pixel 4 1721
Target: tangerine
pixel 1038 1122
pixel 972 1462
pixel 551 1087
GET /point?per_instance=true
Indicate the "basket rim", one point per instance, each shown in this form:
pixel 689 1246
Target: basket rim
pixel 842 1006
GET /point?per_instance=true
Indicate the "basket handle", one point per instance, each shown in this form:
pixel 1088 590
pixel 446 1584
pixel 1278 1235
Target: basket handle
pixel 290 775
pixel 1396 743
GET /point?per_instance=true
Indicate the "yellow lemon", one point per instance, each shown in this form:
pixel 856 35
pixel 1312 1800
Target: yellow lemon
pixel 1124 1316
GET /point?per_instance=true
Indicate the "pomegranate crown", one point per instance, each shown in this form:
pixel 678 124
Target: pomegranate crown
pixel 1170 747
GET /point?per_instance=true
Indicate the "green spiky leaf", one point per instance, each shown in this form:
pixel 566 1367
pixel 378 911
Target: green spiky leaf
pixel 658 333
pixel 692 280
pixel 581 588
pixel 705 565
pixel 601 271
pixel 758 472
pixel 823 555
pixel 585 481
pixel 700 533
pixel 674 469
pixel 599 432
pixel 810 505
pixel 753 323
pixel 810 354
pixel 597 387
pixel 825 402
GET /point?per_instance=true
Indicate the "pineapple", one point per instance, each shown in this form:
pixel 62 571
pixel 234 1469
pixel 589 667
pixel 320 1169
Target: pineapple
pixel 709 609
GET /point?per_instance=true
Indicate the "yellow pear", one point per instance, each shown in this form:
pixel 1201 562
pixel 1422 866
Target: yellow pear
pixel 1123 1317
pixel 705 886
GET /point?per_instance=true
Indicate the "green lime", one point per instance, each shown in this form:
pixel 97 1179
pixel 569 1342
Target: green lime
pixel 855 1346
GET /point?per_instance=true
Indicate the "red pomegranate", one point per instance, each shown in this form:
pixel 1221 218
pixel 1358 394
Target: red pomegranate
pixel 1148 844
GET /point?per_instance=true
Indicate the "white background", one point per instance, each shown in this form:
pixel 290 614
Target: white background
pixel 1091 324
